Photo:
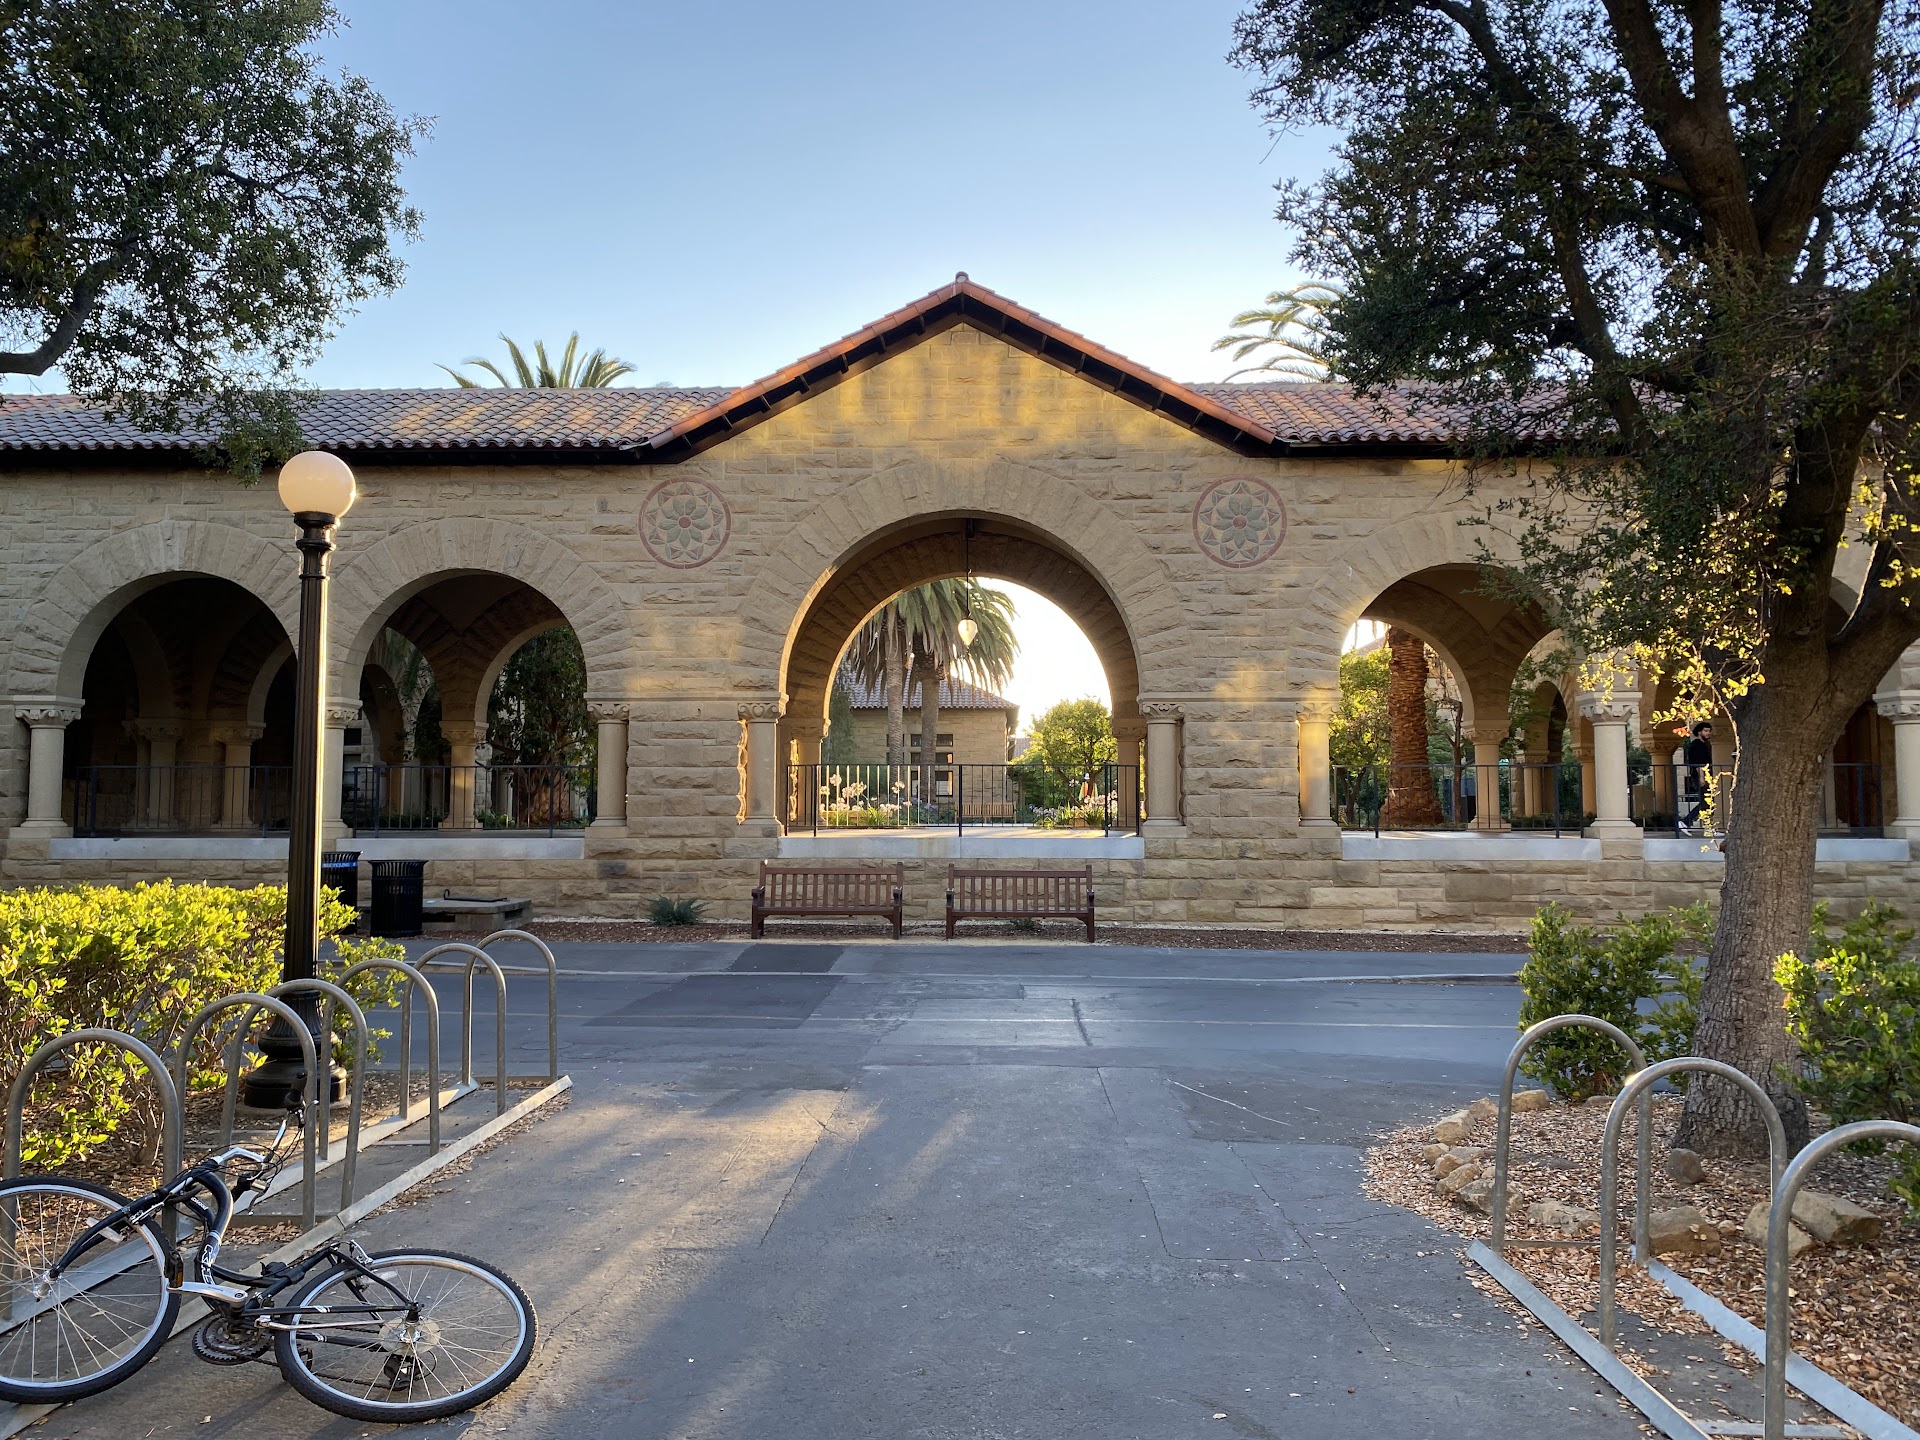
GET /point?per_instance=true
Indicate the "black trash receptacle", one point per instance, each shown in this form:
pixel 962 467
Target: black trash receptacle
pixel 340 870
pixel 398 889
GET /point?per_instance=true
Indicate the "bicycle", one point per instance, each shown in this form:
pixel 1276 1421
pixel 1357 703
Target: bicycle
pixel 91 1284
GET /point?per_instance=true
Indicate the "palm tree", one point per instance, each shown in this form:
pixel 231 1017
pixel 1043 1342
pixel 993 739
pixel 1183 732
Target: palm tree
pixel 916 637
pixel 574 372
pixel 1294 323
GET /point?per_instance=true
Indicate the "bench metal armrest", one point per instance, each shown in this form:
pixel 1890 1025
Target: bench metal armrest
pixel 759 894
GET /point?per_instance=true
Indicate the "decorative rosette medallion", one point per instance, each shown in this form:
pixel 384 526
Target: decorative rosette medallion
pixel 684 523
pixel 1239 522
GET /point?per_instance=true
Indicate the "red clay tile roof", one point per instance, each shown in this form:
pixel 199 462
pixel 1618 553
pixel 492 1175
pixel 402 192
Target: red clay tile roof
pixel 663 424
pixel 954 695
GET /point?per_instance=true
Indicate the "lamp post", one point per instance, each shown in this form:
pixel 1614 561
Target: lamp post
pixel 318 489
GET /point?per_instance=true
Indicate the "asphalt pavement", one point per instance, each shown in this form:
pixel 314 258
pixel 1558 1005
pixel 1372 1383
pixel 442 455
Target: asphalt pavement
pixel 973 1190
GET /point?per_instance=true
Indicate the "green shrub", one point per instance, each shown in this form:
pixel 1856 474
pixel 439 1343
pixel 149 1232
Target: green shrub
pixel 666 910
pixel 1608 973
pixel 1853 1005
pixel 142 960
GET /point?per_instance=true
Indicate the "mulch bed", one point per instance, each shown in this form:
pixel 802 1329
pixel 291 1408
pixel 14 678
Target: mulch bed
pixel 1856 1310
pixel 1182 937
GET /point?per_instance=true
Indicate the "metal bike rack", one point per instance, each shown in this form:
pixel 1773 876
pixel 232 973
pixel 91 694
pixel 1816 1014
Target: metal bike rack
pixel 1497 1232
pixel 331 995
pixel 553 990
pixel 477 956
pixel 173 1119
pixel 1786 1189
pixel 1641 1084
pixel 314 1108
pixel 417 984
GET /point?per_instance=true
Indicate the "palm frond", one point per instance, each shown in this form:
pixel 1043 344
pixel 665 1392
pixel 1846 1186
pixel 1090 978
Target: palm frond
pixel 573 372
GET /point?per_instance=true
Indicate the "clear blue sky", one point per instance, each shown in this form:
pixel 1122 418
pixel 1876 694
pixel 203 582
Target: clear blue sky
pixel 712 190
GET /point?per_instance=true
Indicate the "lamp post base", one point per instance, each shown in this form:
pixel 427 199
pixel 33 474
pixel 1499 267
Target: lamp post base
pixel 280 1081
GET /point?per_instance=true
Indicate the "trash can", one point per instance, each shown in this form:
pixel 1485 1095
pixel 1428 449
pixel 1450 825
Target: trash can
pixel 398 889
pixel 340 870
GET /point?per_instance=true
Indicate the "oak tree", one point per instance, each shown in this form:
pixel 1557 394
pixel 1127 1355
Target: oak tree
pixel 1665 254
pixel 188 205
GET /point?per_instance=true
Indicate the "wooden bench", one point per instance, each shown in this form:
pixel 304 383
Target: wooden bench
pixel 1020 895
pixel 829 890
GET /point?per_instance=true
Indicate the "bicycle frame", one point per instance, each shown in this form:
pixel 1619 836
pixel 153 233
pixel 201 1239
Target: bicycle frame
pixel 202 1192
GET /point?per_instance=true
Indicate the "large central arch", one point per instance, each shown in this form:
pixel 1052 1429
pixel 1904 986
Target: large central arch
pixel 903 525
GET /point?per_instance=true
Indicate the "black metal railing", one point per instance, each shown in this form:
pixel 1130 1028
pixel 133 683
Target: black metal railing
pixel 126 800
pixel 1545 797
pixel 1672 798
pixel 380 799
pixel 878 796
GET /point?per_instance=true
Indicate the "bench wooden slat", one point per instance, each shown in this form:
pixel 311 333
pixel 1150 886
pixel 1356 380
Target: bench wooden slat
pixel 792 890
pixel 974 894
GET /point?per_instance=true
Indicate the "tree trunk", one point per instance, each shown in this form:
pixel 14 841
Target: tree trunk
pixel 1410 797
pixel 896 690
pixel 929 730
pixel 1766 909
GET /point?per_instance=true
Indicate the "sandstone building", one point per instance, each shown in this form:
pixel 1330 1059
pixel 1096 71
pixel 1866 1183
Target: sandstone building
pixel 713 549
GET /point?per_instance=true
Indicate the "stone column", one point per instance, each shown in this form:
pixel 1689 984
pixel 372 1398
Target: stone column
pixel 1315 719
pixel 46 764
pixel 158 797
pixel 1588 790
pixel 463 744
pixel 610 803
pixel 1486 781
pixel 333 768
pixel 1610 715
pixel 1163 770
pixel 1129 734
pixel 236 798
pixel 760 795
pixel 1902 707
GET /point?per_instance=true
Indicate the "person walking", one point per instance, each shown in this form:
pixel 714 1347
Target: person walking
pixel 1698 756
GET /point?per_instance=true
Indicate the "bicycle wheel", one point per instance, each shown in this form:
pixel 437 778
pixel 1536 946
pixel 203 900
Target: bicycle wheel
pixel 471 1336
pixel 102 1318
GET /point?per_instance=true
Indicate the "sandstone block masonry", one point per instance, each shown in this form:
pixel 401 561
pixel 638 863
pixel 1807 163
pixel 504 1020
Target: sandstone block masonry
pixel 711 596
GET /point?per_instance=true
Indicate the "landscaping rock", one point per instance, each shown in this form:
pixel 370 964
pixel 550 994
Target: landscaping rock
pixel 1566 1219
pixel 1469 1152
pixel 1683 1230
pixel 1526 1101
pixel 1754 1231
pixel 1685 1167
pixel 1483 1111
pixel 1433 1152
pixel 1460 1177
pixel 1599 1102
pixel 1835 1221
pixel 1453 1129
pixel 1445 1164
pixel 1477 1195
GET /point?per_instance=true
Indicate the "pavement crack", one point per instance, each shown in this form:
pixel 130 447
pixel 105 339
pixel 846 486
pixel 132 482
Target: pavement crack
pixel 826 1129
pixel 1080 1024
pixel 1270 1119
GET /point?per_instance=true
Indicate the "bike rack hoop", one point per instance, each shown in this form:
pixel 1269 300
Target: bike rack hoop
pixel 553 990
pixel 173 1119
pixel 1641 1085
pixel 417 984
pixel 1786 1190
pixel 476 956
pixel 1503 1132
pixel 336 995
pixel 313 1110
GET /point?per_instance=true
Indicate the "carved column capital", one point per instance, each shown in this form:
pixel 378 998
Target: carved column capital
pixel 48 715
pixel 1616 708
pixel 1160 712
pixel 462 734
pixel 157 729
pixel 236 734
pixel 1899 704
pixel 1317 711
pixel 762 709
pixel 342 717
pixel 607 711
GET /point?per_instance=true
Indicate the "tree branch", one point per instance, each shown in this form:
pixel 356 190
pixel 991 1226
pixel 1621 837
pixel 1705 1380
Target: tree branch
pixel 86 293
